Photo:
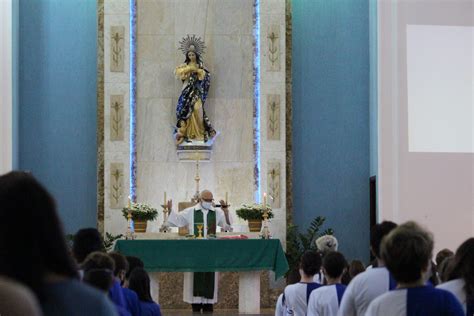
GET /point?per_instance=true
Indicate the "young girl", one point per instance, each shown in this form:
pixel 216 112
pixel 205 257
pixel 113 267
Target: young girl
pixel 140 283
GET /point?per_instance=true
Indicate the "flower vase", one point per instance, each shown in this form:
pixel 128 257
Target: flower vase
pixel 255 225
pixel 140 225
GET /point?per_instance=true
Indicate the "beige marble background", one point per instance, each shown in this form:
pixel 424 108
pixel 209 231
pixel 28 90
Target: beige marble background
pixel 226 26
pixel 227 29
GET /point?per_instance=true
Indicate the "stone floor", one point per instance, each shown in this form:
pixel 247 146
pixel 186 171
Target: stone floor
pixel 218 312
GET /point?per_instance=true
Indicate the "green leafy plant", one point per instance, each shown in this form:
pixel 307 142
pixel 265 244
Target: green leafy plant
pixel 140 211
pixel 298 242
pixel 109 240
pixel 254 211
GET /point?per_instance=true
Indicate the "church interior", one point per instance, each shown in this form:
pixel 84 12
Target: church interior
pixel 237 157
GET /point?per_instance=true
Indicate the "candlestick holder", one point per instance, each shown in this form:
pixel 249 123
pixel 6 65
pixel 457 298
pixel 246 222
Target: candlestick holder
pixel 265 230
pixel 165 228
pixel 129 235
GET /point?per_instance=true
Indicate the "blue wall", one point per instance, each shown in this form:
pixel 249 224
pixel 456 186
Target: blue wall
pixel 331 156
pixel 57 103
pixel 15 73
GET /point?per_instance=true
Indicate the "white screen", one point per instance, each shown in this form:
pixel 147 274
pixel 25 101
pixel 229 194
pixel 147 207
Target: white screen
pixel 440 88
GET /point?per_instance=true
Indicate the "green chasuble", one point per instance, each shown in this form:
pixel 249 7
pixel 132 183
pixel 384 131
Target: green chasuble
pixel 203 283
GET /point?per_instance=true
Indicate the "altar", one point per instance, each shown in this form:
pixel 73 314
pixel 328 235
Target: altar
pixel 248 257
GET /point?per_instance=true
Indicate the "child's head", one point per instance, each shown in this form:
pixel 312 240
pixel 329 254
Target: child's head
pixel 334 264
pixel 407 252
pixel 377 233
pixel 310 263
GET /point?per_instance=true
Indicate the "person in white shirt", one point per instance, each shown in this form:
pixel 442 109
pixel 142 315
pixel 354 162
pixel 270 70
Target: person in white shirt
pixel 407 253
pixel 461 278
pixel 200 289
pixel 325 301
pixel 295 296
pixel 367 285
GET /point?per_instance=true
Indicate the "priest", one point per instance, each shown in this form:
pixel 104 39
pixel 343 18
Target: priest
pixel 200 288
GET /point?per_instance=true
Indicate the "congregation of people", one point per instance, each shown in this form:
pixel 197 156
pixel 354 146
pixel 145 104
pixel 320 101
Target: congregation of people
pixel 40 274
pixel 402 280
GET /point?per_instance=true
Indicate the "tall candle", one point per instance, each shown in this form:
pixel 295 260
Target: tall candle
pixel 265 199
pixel 226 199
pixel 165 200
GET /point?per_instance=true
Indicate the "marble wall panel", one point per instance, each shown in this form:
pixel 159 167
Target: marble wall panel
pixel 156 48
pixel 116 183
pixel 116 21
pixel 179 183
pixel 156 17
pixel 154 130
pixel 273 117
pixel 117 7
pixel 117 38
pixel 116 117
pixel 233 119
pixel 230 17
pixel 110 145
pixel 272 48
pixel 155 80
pixel 230 61
pixel 191 17
pixel 269 24
pixel 272 7
pixel 274 183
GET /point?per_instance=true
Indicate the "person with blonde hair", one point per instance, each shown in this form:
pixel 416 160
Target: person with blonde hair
pixel 407 252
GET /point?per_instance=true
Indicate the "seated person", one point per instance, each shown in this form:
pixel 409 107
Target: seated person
pixel 38 257
pixel 325 300
pixel 131 298
pixel 140 284
pixel 373 282
pixel 407 253
pixel 86 241
pixel 98 270
pixel 133 262
pixel 17 300
pixel 461 278
pixel 295 296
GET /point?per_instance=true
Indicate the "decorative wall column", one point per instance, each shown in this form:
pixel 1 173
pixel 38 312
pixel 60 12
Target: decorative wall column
pixel 116 111
pixel 272 110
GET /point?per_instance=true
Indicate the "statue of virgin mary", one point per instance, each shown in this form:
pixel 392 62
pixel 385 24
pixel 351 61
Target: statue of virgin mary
pixel 192 123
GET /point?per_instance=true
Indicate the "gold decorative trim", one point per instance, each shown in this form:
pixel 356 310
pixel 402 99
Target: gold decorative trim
pixel 116 117
pixel 288 118
pixel 117 37
pixel 273 41
pixel 116 185
pixel 273 117
pixel 273 183
pixel 100 115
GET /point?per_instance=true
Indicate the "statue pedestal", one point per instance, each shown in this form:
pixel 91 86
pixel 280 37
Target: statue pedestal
pixel 195 150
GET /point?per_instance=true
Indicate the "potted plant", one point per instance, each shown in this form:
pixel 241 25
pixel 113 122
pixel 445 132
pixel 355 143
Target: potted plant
pixel 297 243
pixel 141 214
pixel 254 215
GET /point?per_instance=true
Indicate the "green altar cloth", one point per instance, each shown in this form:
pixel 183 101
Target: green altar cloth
pixel 200 255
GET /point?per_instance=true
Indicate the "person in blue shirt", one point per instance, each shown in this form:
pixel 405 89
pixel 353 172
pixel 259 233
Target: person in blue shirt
pixel 120 271
pixel 140 283
pixel 38 256
pixel 407 251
